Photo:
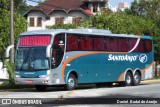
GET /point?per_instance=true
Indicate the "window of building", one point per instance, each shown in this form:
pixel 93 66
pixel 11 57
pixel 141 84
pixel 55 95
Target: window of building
pixel 39 22
pixel 122 45
pixel 95 8
pixel 76 20
pixel 31 22
pixel 59 20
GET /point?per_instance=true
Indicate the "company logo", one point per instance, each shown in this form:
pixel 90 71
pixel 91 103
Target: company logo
pixel 6 101
pixel 122 58
pixel 143 58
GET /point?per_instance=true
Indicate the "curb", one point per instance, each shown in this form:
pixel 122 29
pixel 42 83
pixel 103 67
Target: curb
pixel 150 81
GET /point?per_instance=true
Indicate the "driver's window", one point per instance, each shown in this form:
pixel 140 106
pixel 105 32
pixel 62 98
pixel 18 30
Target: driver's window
pixel 58 50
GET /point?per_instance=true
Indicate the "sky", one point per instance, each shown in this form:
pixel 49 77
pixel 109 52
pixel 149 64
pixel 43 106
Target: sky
pixel 114 3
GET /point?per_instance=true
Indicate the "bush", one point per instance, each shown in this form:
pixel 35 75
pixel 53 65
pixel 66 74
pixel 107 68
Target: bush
pixel 10 69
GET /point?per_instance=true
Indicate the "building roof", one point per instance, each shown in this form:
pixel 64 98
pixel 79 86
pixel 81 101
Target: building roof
pixel 67 5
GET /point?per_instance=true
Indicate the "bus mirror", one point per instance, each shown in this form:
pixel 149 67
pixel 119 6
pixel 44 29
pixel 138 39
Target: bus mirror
pixel 48 51
pixel 8 50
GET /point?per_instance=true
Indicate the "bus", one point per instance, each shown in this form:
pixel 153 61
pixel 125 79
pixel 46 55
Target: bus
pixel 81 56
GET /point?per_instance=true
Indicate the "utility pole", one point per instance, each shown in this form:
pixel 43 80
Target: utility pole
pixel 12 29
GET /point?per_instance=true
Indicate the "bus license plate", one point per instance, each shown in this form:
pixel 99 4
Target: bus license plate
pixel 29 81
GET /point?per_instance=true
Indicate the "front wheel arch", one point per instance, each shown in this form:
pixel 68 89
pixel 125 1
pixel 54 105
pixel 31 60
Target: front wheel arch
pixel 71 72
pixel 71 81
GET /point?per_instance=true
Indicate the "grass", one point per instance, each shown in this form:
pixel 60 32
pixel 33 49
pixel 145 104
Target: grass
pixel 156 77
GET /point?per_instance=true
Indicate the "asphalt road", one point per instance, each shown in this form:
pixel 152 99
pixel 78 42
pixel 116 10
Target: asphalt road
pixel 89 94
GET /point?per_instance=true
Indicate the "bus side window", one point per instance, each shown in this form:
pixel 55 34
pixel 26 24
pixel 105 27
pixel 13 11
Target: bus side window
pixel 148 45
pixel 132 43
pixel 122 45
pixel 89 43
pixel 114 45
pixel 142 46
pixel 82 41
pixel 98 43
pixel 108 44
pixel 72 42
pixel 57 50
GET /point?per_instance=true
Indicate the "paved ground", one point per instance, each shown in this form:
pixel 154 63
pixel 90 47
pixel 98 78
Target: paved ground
pixel 89 94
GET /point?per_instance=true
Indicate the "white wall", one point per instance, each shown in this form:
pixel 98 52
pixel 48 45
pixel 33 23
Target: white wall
pixel 59 13
pixel 35 15
pixel 3 72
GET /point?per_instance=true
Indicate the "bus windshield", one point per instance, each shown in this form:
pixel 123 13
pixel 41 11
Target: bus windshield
pixel 31 59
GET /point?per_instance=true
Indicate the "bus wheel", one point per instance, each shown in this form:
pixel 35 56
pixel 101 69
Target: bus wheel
pixel 40 87
pixel 109 84
pixel 136 79
pixel 71 83
pixel 128 79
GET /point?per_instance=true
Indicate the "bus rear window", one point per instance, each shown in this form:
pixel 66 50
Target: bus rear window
pixel 35 40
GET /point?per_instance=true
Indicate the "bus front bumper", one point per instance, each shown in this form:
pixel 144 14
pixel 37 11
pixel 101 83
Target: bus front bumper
pixel 32 81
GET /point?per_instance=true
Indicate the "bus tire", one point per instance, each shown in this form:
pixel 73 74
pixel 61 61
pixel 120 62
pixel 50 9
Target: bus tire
pixel 109 84
pixel 128 79
pixel 100 85
pixel 40 87
pixel 71 82
pixel 136 79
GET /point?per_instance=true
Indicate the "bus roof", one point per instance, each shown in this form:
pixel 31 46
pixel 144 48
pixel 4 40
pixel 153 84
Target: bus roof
pixel 87 31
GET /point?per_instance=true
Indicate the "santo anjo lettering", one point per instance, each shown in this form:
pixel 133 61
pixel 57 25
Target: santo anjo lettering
pixel 122 58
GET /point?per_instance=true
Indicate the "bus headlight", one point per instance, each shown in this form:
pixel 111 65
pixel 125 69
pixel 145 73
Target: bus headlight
pixel 17 76
pixel 43 76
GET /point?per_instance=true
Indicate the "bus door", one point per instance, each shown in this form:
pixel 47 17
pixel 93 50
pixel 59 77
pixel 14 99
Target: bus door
pixel 58 50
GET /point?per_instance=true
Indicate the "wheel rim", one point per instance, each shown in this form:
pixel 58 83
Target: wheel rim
pixel 128 79
pixel 136 78
pixel 71 82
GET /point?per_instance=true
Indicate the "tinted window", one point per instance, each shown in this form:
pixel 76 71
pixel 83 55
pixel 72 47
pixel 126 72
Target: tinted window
pixel 132 43
pixel 122 45
pixel 98 43
pixel 142 46
pixel 108 44
pixel 72 42
pixel 114 44
pixel 86 43
pixel 148 45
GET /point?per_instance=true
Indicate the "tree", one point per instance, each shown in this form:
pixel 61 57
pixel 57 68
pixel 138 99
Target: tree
pixel 20 6
pixel 149 9
pixel 19 27
pixel 122 23
pixel 63 26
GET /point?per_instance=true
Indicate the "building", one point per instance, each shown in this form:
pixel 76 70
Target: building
pixel 122 6
pixel 54 12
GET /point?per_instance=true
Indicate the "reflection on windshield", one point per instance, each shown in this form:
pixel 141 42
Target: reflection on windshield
pixel 31 59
